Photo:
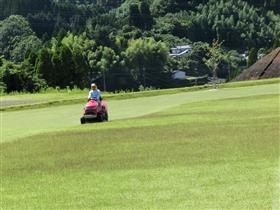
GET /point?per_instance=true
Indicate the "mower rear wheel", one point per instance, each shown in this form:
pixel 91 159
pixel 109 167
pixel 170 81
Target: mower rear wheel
pixel 83 120
pixel 106 117
pixel 100 118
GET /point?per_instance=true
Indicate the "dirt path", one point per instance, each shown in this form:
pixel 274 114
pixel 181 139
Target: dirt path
pixel 9 102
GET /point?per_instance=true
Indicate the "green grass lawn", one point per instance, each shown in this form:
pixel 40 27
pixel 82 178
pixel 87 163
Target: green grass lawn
pixel 19 101
pixel 200 150
pixel 17 124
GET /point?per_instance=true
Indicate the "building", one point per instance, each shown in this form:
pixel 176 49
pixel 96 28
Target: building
pixel 266 67
pixel 177 74
pixel 180 51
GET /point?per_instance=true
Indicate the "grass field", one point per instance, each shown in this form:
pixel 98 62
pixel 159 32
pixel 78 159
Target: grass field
pixel 17 101
pixel 197 150
pixel 19 124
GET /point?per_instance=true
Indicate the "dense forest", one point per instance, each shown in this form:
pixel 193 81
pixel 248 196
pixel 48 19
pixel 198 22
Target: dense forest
pixel 125 44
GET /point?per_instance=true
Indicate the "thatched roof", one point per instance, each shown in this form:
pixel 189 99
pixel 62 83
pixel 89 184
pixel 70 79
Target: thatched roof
pixel 267 67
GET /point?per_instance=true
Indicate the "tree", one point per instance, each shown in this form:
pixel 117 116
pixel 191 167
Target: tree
pixel 19 77
pixel 162 7
pixel 16 37
pixel 146 17
pixel 241 25
pixel 276 44
pixel 66 62
pixel 214 57
pixel 252 57
pixel 193 63
pixel 147 59
pixel 23 46
pixel 11 76
pixel 9 7
pixel 109 3
pixel 134 16
pixel 44 66
pixel 101 35
pixel 102 61
pixel 42 23
pixel 81 48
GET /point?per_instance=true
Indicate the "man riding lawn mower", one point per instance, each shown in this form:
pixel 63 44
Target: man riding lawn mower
pixel 96 108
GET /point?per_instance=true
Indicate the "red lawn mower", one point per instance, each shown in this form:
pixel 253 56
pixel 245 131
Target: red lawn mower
pixel 94 112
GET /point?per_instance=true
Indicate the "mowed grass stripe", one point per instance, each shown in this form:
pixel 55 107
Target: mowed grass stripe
pixel 19 124
pixel 19 101
pixel 220 154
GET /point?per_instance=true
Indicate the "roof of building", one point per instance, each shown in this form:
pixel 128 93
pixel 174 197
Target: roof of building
pixel 179 54
pixel 266 67
pixel 182 47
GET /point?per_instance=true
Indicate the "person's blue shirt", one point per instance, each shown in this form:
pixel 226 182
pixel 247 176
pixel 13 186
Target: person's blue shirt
pixel 94 94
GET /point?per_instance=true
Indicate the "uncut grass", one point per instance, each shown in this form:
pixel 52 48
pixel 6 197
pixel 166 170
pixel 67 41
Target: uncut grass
pixel 219 154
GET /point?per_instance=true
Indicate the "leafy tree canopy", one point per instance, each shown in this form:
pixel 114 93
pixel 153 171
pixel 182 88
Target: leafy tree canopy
pixel 16 37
